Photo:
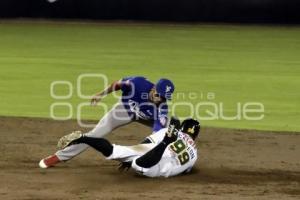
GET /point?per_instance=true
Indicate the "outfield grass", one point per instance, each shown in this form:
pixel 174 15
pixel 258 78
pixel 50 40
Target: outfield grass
pixel 236 63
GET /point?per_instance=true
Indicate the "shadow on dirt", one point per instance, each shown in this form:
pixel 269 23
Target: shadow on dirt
pixel 239 176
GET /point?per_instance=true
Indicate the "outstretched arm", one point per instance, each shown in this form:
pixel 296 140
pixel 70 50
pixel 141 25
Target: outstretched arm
pixel 115 86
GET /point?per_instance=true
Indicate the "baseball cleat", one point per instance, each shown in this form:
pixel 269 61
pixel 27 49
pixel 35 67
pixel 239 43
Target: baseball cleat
pixel 68 139
pixel 50 161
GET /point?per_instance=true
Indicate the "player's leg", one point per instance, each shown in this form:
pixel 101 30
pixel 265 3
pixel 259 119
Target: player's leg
pixel 100 144
pixel 113 151
pixel 110 151
pixel 116 117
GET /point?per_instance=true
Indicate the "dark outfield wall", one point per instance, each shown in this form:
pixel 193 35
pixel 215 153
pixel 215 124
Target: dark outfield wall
pixel 259 11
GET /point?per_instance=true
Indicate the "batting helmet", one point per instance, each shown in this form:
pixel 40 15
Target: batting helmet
pixel 191 127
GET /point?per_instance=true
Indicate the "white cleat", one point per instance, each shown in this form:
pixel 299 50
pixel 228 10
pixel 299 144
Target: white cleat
pixel 42 164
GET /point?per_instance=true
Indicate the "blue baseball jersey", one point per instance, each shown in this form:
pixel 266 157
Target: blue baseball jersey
pixel 135 97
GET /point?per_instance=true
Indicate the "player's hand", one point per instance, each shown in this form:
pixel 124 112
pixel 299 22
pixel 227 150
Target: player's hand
pixel 173 128
pixel 95 99
pixel 124 166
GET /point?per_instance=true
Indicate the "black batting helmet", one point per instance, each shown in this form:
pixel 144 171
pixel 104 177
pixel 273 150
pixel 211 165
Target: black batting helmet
pixel 191 127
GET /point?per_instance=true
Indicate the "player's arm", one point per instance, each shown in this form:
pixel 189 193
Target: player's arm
pixel 115 86
pixel 124 84
pixel 153 156
pixel 172 166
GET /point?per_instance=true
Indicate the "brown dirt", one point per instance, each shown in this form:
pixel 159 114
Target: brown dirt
pixel 233 164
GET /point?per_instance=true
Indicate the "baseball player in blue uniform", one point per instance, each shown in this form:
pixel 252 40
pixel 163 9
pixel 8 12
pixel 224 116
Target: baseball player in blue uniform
pixel 141 101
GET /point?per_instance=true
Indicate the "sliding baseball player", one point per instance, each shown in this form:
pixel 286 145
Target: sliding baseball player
pixel 172 150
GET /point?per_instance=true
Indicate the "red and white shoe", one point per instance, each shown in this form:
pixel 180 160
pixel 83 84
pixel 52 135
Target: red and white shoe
pixel 50 161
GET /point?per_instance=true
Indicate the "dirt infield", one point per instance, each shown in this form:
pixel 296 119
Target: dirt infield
pixel 233 164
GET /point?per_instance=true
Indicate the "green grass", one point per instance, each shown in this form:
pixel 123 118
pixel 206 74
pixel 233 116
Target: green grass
pixel 236 63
